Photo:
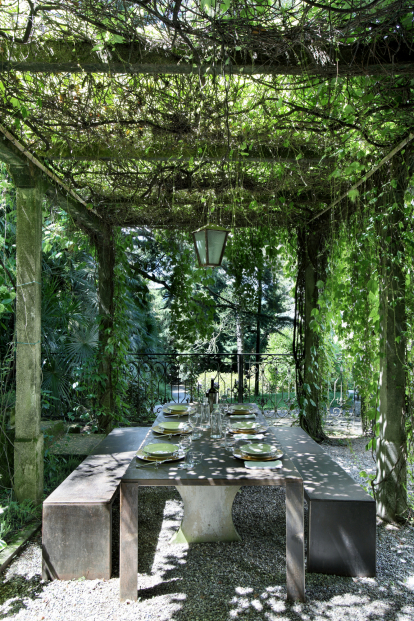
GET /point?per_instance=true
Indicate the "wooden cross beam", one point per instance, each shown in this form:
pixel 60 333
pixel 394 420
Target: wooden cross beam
pixel 51 56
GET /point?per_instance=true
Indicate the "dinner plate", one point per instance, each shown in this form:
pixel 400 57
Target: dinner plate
pixel 258 429
pixel 172 425
pixel 165 432
pixel 244 425
pixel 259 449
pixel 175 457
pixel 161 449
pixel 240 409
pixel 276 455
pixel 178 407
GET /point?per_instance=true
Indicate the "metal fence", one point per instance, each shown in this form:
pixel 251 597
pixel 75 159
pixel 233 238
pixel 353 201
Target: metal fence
pixel 265 379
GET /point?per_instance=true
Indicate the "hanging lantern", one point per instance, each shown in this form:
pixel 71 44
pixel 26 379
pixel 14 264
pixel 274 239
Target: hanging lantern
pixel 210 242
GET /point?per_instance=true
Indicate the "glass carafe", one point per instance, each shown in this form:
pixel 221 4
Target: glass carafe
pixel 215 423
pixel 205 415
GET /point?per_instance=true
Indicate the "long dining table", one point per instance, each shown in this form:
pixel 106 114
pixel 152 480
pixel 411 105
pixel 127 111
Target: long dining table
pixel 208 489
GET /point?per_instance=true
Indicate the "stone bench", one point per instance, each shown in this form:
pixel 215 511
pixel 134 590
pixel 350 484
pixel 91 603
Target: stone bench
pixel 77 516
pixel 342 516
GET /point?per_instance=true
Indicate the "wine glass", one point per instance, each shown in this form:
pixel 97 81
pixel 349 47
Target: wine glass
pixel 185 445
pixel 194 418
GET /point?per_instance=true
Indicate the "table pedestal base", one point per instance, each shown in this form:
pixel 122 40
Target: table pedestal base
pixel 207 514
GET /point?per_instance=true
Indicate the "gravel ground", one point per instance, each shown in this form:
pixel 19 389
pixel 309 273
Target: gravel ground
pixel 217 582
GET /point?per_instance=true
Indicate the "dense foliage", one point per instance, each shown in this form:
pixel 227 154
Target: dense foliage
pixel 269 117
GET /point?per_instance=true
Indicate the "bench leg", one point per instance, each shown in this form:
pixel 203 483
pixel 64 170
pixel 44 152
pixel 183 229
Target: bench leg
pixel 295 544
pixel 342 538
pixel 128 545
pixel 77 541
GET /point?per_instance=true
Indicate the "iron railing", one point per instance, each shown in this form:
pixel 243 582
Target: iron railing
pixel 265 379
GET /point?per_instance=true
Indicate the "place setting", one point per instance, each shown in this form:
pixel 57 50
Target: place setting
pixel 160 453
pixel 171 428
pixel 259 455
pixel 241 411
pixel 177 409
pixel 246 427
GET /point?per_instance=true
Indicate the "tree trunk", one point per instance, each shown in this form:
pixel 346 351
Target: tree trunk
pixel 314 269
pixel 391 448
pixel 106 263
pixel 259 312
pixel 240 358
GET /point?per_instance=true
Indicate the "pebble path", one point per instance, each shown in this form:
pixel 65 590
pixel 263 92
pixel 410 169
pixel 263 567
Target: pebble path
pixel 220 582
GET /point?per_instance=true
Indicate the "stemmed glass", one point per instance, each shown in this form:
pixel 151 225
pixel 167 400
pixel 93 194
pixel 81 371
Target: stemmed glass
pixel 225 427
pixel 223 402
pixel 185 445
pixel 194 418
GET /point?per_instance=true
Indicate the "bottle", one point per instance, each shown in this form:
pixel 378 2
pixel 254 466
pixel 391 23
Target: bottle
pixel 212 395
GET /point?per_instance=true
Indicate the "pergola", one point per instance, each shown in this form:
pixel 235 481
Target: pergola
pixel 171 113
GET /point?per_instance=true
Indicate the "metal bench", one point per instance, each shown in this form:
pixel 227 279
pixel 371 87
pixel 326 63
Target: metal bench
pixel 342 516
pixel 77 516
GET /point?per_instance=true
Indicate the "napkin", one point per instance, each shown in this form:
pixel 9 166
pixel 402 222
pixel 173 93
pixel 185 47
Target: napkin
pixel 242 416
pixel 263 464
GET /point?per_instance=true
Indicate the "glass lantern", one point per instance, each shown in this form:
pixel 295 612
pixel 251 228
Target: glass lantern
pixel 210 243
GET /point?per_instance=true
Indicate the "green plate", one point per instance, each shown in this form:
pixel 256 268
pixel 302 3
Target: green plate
pixel 244 425
pixel 240 409
pixel 178 408
pixel 173 425
pixel 260 449
pixel 162 449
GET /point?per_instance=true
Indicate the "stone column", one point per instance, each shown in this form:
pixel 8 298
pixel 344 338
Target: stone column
pixel 28 448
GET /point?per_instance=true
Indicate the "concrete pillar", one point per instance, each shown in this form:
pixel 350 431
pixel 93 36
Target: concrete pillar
pixel 28 449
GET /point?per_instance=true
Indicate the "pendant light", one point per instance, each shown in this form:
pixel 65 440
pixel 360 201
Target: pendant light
pixel 210 243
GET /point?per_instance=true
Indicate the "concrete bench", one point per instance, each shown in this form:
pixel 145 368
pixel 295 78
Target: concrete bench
pixel 77 516
pixel 342 516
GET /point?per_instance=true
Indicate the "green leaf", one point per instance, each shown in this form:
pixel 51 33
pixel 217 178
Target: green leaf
pixel 353 195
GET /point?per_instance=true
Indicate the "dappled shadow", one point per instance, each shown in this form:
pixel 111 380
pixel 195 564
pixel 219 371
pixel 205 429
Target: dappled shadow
pixel 247 579
pixel 151 511
pixel 199 579
pixel 15 590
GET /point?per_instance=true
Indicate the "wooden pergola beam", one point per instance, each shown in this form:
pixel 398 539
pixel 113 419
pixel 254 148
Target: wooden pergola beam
pixel 169 152
pixel 390 57
pixel 21 161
